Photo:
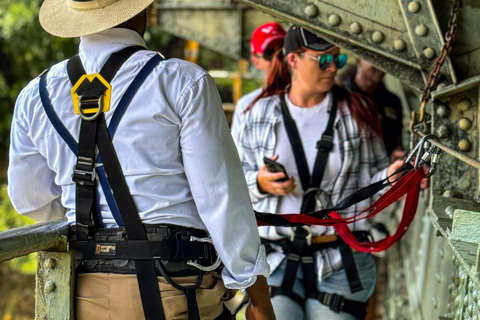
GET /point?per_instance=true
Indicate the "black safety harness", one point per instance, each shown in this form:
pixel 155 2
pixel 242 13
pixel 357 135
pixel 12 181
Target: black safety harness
pixel 299 248
pixel 148 250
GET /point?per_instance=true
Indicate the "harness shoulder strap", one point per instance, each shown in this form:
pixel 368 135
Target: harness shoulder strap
pixel 324 146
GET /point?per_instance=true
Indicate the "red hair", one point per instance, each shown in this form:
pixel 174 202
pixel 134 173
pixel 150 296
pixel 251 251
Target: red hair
pixel 279 78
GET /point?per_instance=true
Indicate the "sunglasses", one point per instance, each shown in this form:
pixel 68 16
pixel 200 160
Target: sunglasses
pixel 325 60
pixel 268 54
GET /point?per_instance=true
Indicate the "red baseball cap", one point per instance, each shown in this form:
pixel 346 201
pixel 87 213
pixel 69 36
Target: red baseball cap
pixel 266 34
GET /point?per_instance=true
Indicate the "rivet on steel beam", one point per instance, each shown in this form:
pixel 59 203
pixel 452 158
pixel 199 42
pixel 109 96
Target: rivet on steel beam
pixel 414 7
pixel 399 45
pixel 442 111
pixel 464 124
pixel 421 30
pixel 448 194
pixel 464 184
pixel 334 20
pixel 50 286
pixel 49 263
pixel 378 36
pixel 311 11
pixel 464 145
pixel 429 53
pixel 356 28
pixel 434 302
pixel 438 277
pixel 441 253
pixel 442 131
pixel 464 105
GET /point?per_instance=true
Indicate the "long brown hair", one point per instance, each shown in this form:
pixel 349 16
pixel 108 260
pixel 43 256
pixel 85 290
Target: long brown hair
pixel 279 78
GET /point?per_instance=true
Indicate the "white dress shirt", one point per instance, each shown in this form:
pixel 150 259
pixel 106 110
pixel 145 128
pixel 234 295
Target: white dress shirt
pixel 173 143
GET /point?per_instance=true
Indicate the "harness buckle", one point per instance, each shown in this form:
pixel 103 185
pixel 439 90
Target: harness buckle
pixel 84 177
pixel 325 143
pixel 195 264
pixel 334 301
pixel 308 237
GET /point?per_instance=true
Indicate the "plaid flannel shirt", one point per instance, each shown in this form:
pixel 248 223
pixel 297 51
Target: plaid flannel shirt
pixel 364 161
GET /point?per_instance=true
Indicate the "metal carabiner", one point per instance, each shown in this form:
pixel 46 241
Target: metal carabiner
pixel 418 149
pixel 211 267
pixel 433 165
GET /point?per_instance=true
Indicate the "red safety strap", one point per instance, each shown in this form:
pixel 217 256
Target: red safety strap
pixel 409 184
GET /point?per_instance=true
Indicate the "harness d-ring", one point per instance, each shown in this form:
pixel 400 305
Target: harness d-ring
pixel 95 116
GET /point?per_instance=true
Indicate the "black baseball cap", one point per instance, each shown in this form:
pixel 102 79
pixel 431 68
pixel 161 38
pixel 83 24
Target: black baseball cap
pixel 297 37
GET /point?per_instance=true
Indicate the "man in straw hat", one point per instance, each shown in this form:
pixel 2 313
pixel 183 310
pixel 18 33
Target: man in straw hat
pixel 156 190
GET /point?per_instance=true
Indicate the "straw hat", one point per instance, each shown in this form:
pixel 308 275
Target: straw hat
pixel 76 18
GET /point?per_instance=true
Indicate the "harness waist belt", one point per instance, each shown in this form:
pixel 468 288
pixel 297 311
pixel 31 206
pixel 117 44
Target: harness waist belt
pixel 165 243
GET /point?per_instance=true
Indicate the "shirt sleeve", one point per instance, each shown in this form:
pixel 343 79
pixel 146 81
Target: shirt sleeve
pixel 218 184
pixel 31 185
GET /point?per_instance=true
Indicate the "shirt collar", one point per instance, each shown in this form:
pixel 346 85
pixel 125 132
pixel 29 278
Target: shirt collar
pixel 115 36
pixel 95 49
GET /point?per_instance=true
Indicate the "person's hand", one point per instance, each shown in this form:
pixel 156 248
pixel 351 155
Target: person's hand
pixel 394 167
pixel 267 181
pixel 259 307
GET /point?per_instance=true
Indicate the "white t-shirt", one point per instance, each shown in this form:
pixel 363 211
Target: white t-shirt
pixel 311 123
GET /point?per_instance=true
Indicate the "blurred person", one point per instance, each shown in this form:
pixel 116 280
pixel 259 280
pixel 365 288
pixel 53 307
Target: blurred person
pixel 141 250
pixel 265 41
pixel 366 79
pixel 328 139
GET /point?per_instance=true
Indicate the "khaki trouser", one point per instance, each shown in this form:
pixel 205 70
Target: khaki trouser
pixel 116 296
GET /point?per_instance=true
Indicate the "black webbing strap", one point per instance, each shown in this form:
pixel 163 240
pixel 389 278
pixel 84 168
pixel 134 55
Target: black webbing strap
pixel 146 274
pixel 324 146
pixel 353 278
pixel 84 171
pixel 310 184
pixel 109 70
pixel 339 303
pixel 354 198
pixel 189 291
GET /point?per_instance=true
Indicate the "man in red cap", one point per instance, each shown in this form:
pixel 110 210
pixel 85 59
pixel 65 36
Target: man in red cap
pixel 266 40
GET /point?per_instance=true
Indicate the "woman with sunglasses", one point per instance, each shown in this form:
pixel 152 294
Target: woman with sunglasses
pixel 329 142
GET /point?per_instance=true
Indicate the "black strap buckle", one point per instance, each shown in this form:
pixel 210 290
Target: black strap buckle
pixel 84 177
pixel 325 143
pixel 334 301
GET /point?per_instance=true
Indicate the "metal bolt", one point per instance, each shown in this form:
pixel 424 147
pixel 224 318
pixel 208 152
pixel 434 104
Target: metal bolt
pixel 464 105
pixel 464 145
pixel 434 302
pixel 464 124
pixel 311 11
pixel 399 45
pixel 378 36
pixel 429 53
pixel 457 301
pixel 442 111
pixel 442 131
pixel 438 277
pixel 448 194
pixel 356 28
pixel 421 30
pixel 49 263
pixel 334 20
pixel 50 286
pixel 414 7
